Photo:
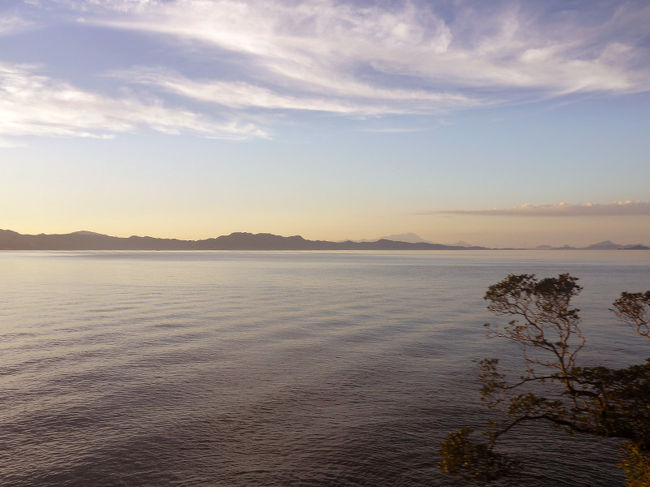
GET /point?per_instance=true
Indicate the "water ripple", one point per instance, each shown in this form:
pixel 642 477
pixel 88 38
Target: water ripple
pixel 274 369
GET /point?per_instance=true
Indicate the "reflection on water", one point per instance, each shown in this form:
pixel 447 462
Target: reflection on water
pixel 271 368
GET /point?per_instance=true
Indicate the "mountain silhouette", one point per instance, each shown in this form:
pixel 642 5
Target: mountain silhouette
pixel 84 240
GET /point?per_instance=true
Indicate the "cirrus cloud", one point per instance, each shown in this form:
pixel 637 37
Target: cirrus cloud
pixel 32 104
pixel 243 95
pixel 502 52
pixel 13 24
pixel 346 59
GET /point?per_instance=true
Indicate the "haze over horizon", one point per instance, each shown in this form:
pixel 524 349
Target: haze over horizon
pixel 495 123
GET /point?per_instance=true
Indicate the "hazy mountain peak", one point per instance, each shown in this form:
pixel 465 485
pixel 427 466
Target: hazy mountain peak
pixel 409 237
pixel 604 245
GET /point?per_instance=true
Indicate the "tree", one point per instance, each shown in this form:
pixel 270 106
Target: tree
pixel 598 401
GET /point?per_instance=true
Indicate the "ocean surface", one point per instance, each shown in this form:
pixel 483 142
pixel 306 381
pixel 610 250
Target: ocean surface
pixel 276 368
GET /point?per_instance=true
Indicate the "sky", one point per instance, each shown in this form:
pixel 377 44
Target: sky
pixel 496 123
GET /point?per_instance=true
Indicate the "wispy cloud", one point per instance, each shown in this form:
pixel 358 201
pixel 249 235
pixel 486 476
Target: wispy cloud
pixel 32 104
pixel 348 59
pixel 242 95
pixel 394 130
pixel 617 208
pixel 408 52
pixel 13 24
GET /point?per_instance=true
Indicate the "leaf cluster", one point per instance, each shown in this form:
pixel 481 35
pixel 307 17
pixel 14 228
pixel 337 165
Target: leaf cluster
pixel 474 461
pixel 633 309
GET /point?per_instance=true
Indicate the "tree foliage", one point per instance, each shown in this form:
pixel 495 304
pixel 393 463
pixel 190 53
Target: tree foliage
pixel 632 308
pixel 598 401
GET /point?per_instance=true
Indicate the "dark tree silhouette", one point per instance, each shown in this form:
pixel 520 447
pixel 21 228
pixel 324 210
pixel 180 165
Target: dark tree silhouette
pixel 598 401
pixel 632 308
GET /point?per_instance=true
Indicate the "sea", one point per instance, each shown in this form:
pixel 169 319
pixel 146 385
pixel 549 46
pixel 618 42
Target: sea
pixel 225 368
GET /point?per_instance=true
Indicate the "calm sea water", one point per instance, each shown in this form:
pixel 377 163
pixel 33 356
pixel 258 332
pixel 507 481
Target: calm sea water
pixel 274 368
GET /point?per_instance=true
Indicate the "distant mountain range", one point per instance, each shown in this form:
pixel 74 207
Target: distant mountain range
pixel 604 245
pixel 10 240
pixel 84 240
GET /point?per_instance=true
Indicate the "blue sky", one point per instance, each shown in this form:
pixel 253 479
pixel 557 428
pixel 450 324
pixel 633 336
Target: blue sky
pixel 498 123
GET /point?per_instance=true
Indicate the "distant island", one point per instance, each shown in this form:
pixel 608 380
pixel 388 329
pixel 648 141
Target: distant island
pixel 604 245
pixel 84 240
